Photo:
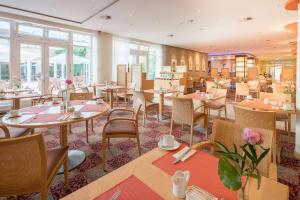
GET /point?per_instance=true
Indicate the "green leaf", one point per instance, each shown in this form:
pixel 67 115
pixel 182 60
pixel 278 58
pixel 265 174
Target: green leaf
pixel 229 175
pixel 248 154
pixel 262 155
pixel 235 149
pixel 253 151
pixel 222 146
pixel 258 179
pixel 230 155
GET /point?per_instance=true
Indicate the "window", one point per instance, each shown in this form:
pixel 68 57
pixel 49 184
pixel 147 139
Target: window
pixel 4 29
pixel 59 35
pixel 82 70
pixel 4 59
pixel 31 30
pixel 81 40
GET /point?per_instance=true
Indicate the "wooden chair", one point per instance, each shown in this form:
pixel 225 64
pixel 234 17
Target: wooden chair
pixel 242 89
pixel 125 94
pixel 46 97
pixel 183 112
pixel 26 167
pixel 83 96
pixel 121 127
pixel 229 133
pixel 219 104
pixel 280 116
pixel 139 98
pixel 11 132
pixel 258 119
pixel 279 89
pixel 210 85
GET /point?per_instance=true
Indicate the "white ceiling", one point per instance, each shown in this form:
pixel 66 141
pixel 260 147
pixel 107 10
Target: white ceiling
pixel 218 26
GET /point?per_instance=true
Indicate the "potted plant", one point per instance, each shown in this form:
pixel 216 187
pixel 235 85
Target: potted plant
pixel 233 165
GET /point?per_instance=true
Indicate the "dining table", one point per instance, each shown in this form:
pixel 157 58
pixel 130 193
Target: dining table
pixel 19 90
pixel 110 90
pixel 161 104
pixel 51 115
pixel 16 98
pixel 152 174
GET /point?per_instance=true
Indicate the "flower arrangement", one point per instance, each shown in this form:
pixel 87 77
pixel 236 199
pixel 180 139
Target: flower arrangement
pixel 233 166
pixel 68 81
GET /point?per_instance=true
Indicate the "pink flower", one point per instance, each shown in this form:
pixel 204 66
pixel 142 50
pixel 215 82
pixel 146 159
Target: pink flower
pixel 68 81
pixel 252 136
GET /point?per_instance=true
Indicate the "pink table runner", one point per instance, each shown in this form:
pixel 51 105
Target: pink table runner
pixel 44 118
pixel 93 108
pixel 35 109
pixel 204 172
pixel 131 189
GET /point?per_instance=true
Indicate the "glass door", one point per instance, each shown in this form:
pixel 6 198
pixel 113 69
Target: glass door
pixel 31 66
pixel 57 71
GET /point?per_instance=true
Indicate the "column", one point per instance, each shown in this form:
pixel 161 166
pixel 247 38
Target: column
pixel 297 139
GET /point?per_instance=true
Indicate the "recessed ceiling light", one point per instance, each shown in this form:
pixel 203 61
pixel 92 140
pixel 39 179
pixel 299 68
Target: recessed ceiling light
pixel 130 15
pixel 180 23
pixel 105 17
pixel 268 40
pixel 201 29
pixel 246 19
pixel 170 35
pixel 131 24
pixel 191 20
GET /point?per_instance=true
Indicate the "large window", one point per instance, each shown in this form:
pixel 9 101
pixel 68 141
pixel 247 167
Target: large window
pixel 44 56
pixel 149 56
pixel 82 70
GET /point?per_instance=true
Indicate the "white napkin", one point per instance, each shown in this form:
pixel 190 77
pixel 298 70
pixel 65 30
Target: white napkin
pixel 183 151
pixel 197 193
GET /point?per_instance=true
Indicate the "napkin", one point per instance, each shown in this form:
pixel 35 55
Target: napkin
pixel 197 193
pixel 183 151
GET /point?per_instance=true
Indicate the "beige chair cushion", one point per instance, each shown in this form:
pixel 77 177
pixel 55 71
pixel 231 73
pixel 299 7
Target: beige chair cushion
pixel 214 105
pixel 120 127
pixel 198 115
pixel 54 156
pixel 14 132
pixel 281 116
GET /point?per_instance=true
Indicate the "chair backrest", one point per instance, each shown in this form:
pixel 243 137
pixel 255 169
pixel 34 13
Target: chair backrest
pixel 210 85
pixel 255 118
pixel 218 93
pixel 229 133
pixel 85 89
pixel 284 98
pixel 242 89
pixel 81 96
pixel 139 99
pixel 278 89
pixel 23 165
pixel 5 131
pixel 182 110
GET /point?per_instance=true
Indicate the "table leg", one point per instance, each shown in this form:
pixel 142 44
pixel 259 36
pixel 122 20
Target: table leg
pixel 111 99
pixel 161 107
pixel 16 104
pixel 75 157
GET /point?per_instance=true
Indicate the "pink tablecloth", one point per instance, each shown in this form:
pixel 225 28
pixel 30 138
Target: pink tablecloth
pixel 93 108
pixel 44 118
pixel 204 172
pixel 35 109
pixel 131 189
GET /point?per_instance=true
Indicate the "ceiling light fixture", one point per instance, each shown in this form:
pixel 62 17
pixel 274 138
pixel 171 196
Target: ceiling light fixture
pixel 105 17
pixel 191 20
pixel 201 29
pixel 170 35
pixel 246 19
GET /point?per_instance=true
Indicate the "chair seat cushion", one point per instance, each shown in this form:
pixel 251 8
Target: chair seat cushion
pixel 54 156
pixel 281 116
pixel 198 115
pixel 150 104
pixel 214 105
pixel 120 127
pixel 14 132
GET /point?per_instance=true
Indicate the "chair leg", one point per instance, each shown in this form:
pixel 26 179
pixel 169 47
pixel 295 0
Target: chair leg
pixel 70 131
pixel 285 126
pixel 225 110
pixel 87 130
pixel 104 152
pixel 206 126
pixel 139 145
pixel 92 123
pixel 171 127
pixel 144 117
pixel 108 143
pixel 191 134
pixel 235 98
pixel 44 193
pixel 157 113
pixel 66 173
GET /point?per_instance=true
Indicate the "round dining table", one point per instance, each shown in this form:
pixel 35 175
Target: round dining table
pixel 16 98
pixel 110 90
pixel 50 115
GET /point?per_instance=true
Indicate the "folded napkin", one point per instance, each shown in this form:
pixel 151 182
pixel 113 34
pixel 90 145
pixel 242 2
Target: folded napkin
pixel 197 193
pixel 187 151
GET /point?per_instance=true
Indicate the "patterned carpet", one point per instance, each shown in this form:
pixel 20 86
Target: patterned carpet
pixel 123 151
